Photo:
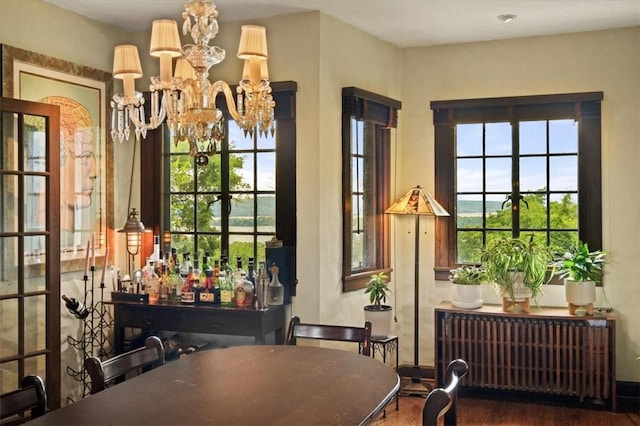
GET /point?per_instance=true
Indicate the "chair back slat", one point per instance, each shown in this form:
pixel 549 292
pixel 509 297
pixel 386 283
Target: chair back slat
pixel 339 333
pixel 30 396
pixel 442 401
pixel 116 369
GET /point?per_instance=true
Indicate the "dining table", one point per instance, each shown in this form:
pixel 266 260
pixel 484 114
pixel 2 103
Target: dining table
pixel 243 385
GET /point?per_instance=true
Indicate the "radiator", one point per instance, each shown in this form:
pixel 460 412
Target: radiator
pixel 546 351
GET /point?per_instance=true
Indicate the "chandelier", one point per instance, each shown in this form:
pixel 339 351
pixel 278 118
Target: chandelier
pixel 186 98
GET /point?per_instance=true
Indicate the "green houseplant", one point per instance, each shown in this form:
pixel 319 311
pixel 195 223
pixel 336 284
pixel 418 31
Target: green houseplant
pixel 377 313
pixel 465 281
pixel 517 268
pixel 580 269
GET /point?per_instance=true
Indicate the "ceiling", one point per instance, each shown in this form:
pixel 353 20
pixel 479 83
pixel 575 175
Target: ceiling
pixel 404 23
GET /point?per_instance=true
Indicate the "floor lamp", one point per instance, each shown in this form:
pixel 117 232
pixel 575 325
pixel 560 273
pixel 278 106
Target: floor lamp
pixel 418 203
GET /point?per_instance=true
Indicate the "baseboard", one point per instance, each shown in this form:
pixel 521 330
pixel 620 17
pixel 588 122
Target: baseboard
pixel 628 397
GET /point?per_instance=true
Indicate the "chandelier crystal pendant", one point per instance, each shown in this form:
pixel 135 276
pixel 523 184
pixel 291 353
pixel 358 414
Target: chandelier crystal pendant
pixel 187 99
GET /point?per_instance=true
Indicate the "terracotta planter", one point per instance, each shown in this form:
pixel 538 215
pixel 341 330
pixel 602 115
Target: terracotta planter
pixel 380 320
pixel 466 296
pixel 580 295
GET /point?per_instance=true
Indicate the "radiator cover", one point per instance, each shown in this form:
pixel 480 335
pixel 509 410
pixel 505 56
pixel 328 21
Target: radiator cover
pixel 545 351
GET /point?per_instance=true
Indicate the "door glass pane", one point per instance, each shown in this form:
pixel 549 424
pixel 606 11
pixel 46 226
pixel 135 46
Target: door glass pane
pixel 533 173
pixel 35 143
pixel 36 365
pixel 9 265
pixel 533 137
pixel 35 267
pixel 9 193
pixel 35 331
pixel 9 160
pixel 9 379
pixel 266 171
pixel 498 138
pixel 35 203
pixel 9 327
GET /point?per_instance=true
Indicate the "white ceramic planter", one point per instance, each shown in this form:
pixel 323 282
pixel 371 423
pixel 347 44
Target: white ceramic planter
pixel 380 320
pixel 520 291
pixel 579 293
pixel 466 296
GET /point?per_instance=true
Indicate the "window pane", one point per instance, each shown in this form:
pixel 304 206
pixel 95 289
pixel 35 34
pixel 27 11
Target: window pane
pixel 533 173
pixel 211 244
pixel 179 147
pixel 262 239
pixel 266 171
pixel 240 245
pixel 563 136
pixel 181 173
pixel 468 139
pixel 241 218
pixel 183 243
pixel 357 213
pixel 357 175
pixel 564 211
pixel 268 141
pixel 497 216
pixel 10 379
pixel 35 332
pixel 498 137
pixel 267 213
pixel 469 247
pixel 237 138
pixel 563 241
pixel 534 216
pixel 533 137
pixel 244 168
pixel 498 174
pixel 563 173
pixel 357 136
pixel 469 211
pixel 182 214
pixel 206 218
pixel 10 191
pixel 469 175
pixel 208 176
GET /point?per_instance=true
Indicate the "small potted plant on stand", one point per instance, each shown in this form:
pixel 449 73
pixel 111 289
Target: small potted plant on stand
pixel 378 314
pixel 466 281
pixel 517 268
pixel 581 269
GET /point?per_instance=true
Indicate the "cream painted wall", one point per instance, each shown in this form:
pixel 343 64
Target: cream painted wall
pixel 607 61
pixel 323 55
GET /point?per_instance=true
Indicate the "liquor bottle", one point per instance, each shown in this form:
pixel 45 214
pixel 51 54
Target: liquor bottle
pixel 242 289
pixel 251 276
pixel 164 284
pixel 226 288
pixel 76 308
pixel 150 281
pixel 262 287
pixel 194 281
pixel 207 295
pixel 276 289
pixel 187 295
pixel 215 286
pixel 238 273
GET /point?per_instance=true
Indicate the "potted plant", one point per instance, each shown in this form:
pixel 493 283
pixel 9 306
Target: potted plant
pixel 378 314
pixel 580 269
pixel 466 281
pixel 517 268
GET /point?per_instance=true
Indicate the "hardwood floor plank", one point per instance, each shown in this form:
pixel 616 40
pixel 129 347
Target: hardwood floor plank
pixel 484 412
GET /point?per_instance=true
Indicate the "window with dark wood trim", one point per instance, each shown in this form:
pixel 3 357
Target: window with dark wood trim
pixel 514 114
pixel 367 120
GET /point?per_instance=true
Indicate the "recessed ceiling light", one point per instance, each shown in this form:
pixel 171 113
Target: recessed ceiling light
pixel 508 17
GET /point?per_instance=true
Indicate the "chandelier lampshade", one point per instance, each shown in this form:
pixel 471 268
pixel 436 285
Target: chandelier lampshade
pixel 186 99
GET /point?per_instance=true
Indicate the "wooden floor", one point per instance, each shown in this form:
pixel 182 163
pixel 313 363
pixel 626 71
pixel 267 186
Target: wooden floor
pixel 483 412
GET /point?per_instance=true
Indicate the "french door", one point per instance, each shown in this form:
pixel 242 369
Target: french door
pixel 29 245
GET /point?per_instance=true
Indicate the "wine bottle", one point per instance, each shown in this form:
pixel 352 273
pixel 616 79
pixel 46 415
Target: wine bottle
pixel 276 289
pixel 76 308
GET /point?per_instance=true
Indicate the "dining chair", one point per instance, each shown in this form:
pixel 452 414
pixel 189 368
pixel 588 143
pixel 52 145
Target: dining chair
pixel 126 365
pixel 341 333
pixel 30 396
pixel 442 401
